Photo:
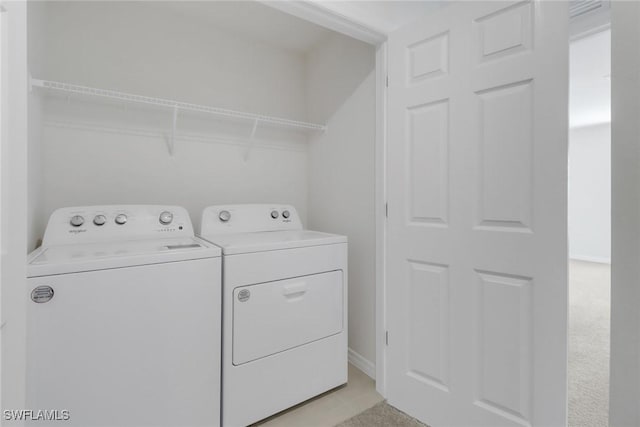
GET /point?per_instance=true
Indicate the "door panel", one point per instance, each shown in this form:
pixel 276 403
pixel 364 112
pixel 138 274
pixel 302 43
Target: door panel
pixel 477 182
pixel 429 324
pixel 505 149
pixel 429 171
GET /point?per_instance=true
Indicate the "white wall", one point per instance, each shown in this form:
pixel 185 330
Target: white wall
pixel 590 193
pixel 341 91
pixel 94 154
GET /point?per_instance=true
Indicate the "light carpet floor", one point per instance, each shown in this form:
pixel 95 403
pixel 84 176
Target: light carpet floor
pixel 589 313
pixel 382 415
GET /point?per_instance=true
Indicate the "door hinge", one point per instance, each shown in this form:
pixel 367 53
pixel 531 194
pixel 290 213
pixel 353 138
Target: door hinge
pixel 386 210
pixel 386 338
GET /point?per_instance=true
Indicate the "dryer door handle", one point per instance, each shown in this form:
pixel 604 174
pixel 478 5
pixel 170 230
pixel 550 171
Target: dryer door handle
pixel 294 290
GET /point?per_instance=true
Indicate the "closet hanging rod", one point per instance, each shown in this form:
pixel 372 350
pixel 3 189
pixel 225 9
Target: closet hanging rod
pixel 183 106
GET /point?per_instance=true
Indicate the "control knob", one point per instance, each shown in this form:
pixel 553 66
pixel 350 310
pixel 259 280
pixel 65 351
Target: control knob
pixel 100 220
pixel 165 218
pixel 76 220
pixel 121 219
pixel 274 214
pixel 286 214
pixel 224 216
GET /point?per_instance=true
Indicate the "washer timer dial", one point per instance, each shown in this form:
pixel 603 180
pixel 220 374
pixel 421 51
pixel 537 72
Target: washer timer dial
pixel 76 220
pixel 224 216
pixel 99 220
pixel 165 218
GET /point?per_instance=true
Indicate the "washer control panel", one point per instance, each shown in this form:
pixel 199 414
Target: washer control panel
pixel 88 224
pixel 249 218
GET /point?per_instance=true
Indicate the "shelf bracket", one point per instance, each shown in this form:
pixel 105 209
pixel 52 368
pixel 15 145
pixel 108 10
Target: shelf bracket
pixel 172 141
pixel 252 139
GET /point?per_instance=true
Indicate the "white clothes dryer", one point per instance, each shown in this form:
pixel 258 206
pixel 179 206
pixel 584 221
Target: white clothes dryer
pixel 284 309
pixel 124 319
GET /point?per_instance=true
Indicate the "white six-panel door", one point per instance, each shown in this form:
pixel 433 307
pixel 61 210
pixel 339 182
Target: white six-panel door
pixel 477 232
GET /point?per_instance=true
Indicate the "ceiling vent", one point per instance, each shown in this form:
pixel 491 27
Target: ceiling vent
pixel 581 7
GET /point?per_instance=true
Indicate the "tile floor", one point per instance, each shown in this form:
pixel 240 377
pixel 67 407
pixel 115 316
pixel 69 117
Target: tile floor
pixel 330 408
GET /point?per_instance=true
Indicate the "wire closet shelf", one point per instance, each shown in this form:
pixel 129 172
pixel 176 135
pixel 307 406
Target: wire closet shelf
pixel 172 104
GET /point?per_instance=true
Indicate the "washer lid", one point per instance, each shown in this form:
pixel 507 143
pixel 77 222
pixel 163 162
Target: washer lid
pixel 239 243
pixel 61 259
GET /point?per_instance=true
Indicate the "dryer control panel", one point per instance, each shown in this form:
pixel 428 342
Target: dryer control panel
pixel 223 219
pixel 91 224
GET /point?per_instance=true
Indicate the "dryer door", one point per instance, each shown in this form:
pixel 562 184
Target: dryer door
pixel 272 317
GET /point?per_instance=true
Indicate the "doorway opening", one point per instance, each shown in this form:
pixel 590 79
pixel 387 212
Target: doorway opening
pixel 589 208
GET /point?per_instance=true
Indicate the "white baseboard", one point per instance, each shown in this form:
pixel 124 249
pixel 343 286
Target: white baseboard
pixel 366 366
pixel 589 258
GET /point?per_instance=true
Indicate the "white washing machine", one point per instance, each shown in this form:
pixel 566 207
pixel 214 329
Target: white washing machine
pixel 284 309
pixel 124 320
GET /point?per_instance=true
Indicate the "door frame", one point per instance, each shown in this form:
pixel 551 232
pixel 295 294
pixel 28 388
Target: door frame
pixel 381 217
pixel 624 365
pixel 13 207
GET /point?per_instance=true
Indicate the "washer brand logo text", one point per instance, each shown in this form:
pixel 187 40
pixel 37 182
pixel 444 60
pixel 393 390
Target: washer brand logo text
pixel 37 415
pixel 78 231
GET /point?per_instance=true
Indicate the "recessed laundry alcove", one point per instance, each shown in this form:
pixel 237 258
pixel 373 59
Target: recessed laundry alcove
pixel 202 103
